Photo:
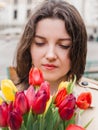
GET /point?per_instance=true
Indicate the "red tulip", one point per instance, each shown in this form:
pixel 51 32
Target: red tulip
pixel 10 107
pixel 35 77
pixel 74 127
pixel 39 102
pixel 3 114
pixel 84 100
pixel 21 102
pixel 60 96
pixel 67 107
pixel 30 93
pixel 14 120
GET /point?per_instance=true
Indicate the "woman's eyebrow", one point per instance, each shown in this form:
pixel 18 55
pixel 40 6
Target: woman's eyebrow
pixel 64 39
pixel 60 39
pixel 41 37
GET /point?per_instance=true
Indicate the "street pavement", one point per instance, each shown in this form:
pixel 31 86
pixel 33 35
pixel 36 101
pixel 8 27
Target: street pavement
pixel 8 46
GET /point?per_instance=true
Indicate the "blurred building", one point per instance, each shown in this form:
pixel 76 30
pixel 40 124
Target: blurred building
pixel 16 12
pixel 91 18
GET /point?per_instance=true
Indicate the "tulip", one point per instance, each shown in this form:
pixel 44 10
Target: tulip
pixel 48 104
pixel 14 120
pixel 60 96
pixel 35 77
pixel 67 107
pixel 3 114
pixel 10 107
pixel 74 127
pixel 8 89
pixel 30 93
pixel 21 102
pixel 63 85
pixel 84 100
pixel 39 102
pixel 1 100
pixel 46 87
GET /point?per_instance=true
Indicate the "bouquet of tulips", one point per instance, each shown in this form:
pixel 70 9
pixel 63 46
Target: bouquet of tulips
pixel 36 109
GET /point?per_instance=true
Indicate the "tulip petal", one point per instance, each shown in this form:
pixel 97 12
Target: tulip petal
pixel 84 100
pixel 8 89
pixel 35 77
pixel 3 114
pixel 74 127
pixel 1 100
pixel 14 120
pixel 21 102
pixel 30 93
pixel 60 96
pixel 63 85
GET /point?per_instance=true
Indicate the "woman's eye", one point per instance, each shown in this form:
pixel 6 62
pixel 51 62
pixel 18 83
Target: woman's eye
pixel 65 46
pixel 39 43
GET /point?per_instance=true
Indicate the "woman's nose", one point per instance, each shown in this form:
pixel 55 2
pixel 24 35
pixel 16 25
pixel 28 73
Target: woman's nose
pixel 51 53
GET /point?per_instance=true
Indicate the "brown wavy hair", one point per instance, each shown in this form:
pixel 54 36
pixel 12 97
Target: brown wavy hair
pixel 75 27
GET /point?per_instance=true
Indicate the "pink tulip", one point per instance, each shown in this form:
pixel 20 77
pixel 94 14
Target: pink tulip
pixel 21 102
pixel 46 87
pixel 3 114
pixel 30 93
pixel 35 77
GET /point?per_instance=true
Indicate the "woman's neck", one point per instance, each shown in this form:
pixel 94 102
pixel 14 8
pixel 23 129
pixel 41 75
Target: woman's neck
pixel 54 86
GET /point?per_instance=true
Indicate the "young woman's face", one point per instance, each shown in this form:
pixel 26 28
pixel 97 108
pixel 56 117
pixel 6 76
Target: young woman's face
pixel 50 49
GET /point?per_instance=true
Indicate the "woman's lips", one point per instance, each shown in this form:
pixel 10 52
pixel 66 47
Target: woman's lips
pixel 49 66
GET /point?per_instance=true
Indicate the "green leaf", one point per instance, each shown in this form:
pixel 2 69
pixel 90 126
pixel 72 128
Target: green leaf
pixel 61 126
pixel 35 125
pixel 5 128
pixel 41 122
pixel 29 124
pixel 25 117
pixel 88 123
pixel 55 115
pixel 49 118
pixel 23 127
pixel 71 85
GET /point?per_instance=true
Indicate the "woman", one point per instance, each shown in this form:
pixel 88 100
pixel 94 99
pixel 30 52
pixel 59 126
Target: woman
pixel 55 41
pixel 74 36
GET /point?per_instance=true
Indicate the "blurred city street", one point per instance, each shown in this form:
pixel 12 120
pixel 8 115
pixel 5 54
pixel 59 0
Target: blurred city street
pixel 8 45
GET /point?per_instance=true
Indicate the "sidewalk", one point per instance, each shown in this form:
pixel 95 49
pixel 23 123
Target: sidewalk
pixel 7 52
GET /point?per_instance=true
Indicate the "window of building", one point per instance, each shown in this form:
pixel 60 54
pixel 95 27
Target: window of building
pixel 29 1
pixel 15 14
pixel 15 2
pixel 28 13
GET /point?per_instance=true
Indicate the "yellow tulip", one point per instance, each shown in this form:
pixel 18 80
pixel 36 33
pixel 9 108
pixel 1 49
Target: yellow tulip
pixel 48 104
pixel 8 89
pixel 1 100
pixel 63 85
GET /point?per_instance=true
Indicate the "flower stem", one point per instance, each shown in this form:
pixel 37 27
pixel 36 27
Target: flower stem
pixel 57 124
